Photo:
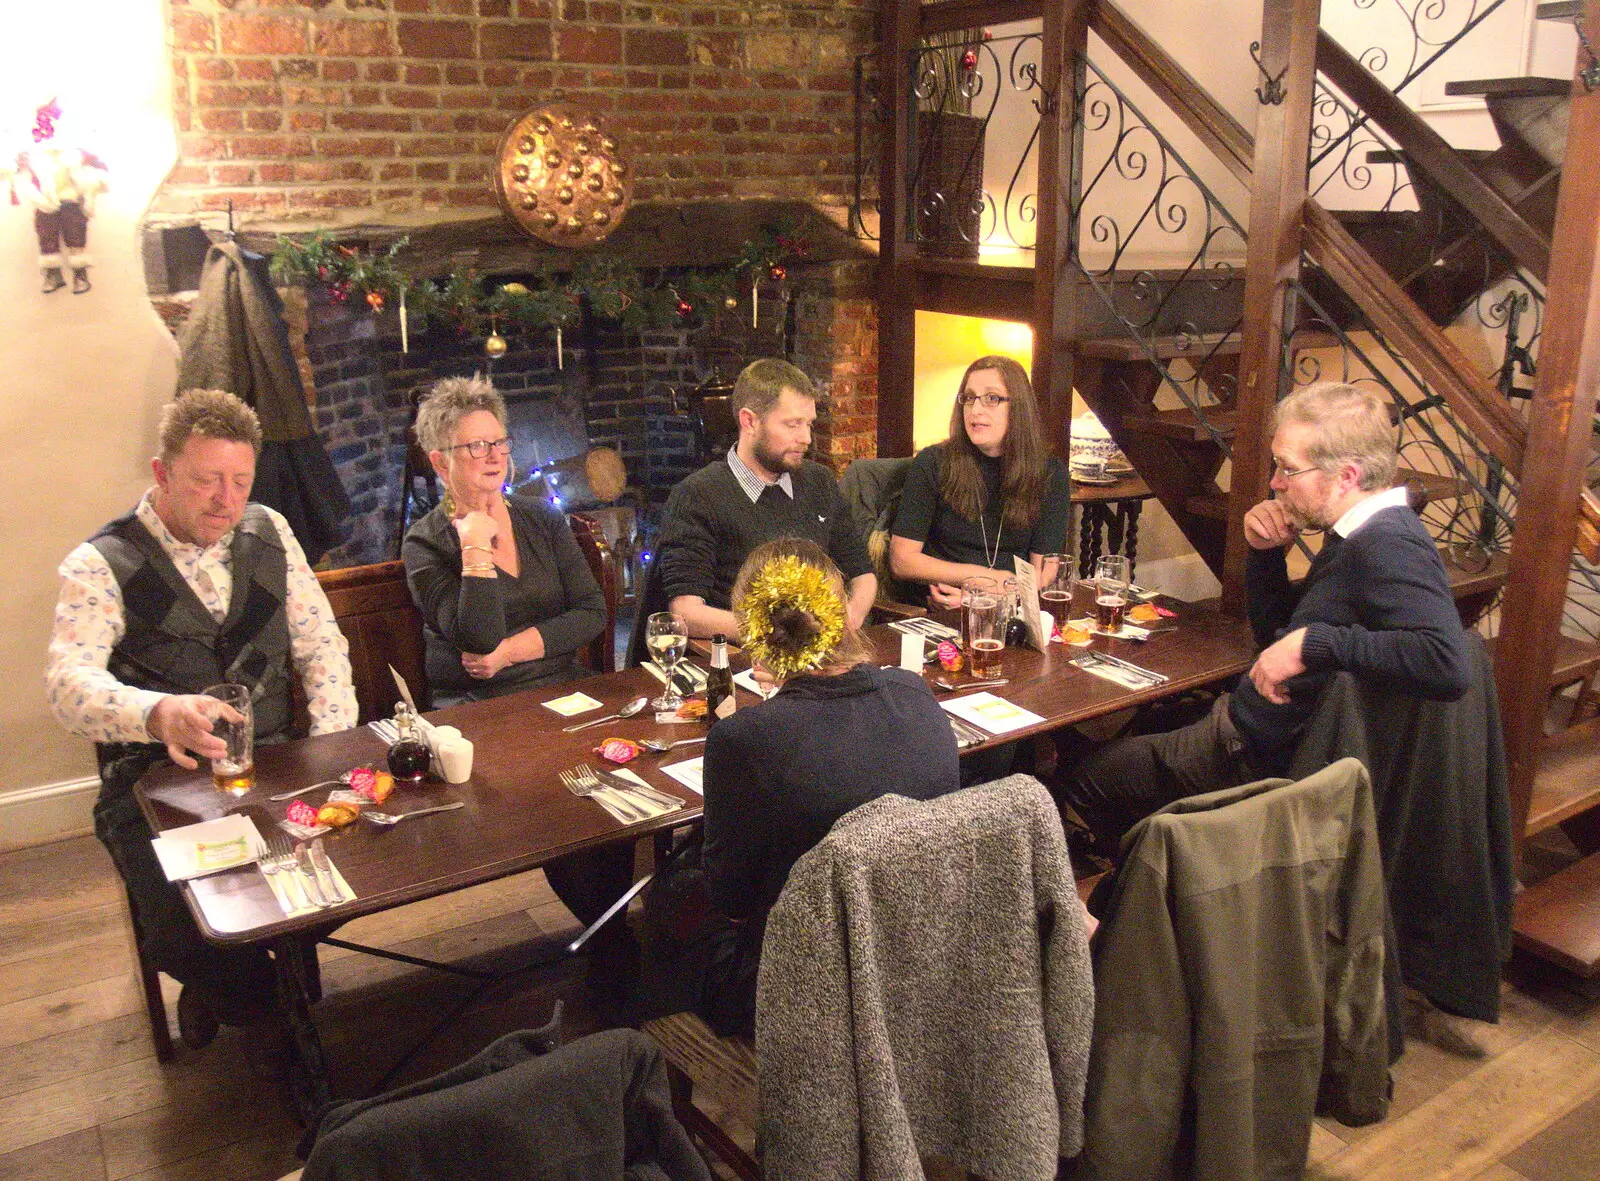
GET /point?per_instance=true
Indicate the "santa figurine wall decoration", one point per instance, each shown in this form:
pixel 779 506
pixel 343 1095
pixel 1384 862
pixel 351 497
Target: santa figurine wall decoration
pixel 61 182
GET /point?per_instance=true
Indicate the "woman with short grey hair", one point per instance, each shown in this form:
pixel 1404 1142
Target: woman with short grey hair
pixel 506 595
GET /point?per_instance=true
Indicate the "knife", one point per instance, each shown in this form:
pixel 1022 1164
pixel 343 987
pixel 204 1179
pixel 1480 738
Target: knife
pixel 308 877
pixel 660 798
pixel 324 867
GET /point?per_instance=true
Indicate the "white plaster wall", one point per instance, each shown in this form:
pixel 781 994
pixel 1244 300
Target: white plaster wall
pixel 86 374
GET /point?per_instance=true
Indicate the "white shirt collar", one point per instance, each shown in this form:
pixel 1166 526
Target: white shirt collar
pixel 151 520
pixel 1362 511
pixel 751 482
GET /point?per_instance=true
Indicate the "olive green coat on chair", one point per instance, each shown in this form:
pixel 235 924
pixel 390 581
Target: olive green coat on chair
pixel 1239 983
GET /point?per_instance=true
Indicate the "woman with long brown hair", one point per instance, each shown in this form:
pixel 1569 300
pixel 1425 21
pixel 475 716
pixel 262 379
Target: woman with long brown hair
pixel 987 494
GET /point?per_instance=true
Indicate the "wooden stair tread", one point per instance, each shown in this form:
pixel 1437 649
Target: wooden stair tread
pixel 1166 348
pixel 1568 780
pixel 1559 10
pixel 1474 582
pixel 723 1067
pixel 1532 87
pixel 1576 660
pixel 1559 919
pixel 1183 423
pixel 1436 485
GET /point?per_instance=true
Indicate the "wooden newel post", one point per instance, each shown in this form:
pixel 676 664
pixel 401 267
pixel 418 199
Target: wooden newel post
pixel 1277 198
pixel 1560 434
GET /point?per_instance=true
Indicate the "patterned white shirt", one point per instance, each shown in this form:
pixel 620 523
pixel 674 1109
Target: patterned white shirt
pixel 751 482
pixel 90 622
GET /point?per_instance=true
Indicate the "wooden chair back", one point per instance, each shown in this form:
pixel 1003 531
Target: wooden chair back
pixel 374 609
pixel 600 654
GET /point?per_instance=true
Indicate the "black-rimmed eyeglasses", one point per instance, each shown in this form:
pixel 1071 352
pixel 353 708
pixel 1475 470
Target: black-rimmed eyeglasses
pixel 987 401
pixel 478 448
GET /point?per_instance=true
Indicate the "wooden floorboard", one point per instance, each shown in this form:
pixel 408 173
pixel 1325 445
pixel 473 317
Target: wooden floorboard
pixel 82 1097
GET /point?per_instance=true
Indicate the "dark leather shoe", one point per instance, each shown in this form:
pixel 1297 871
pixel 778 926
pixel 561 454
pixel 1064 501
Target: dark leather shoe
pixel 53 280
pixel 197 1024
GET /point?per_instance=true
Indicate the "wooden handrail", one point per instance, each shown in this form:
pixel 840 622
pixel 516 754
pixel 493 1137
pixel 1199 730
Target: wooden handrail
pixel 1426 148
pixel 1173 85
pixel 1443 366
pixel 944 16
pixel 1589 526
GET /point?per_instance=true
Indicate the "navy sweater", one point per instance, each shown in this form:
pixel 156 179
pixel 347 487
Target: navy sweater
pixel 1377 604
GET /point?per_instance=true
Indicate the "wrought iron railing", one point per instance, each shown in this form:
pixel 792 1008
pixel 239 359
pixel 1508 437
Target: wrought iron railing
pixel 1430 29
pixel 1140 200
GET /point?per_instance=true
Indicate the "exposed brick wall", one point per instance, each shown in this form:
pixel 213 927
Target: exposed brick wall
pixel 836 343
pixel 301 111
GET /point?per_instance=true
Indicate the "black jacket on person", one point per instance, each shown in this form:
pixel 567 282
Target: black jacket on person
pixel 1376 604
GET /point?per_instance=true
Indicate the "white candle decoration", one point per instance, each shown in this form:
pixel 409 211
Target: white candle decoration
pixel 560 362
pixel 405 340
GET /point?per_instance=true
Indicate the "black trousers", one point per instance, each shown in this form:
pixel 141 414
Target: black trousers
pixel 1126 780
pixel 237 982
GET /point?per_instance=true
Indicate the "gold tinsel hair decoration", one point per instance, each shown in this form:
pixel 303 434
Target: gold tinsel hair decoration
pixel 789 582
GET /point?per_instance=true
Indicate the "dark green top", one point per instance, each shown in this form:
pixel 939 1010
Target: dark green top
pixel 946 534
pixel 555 591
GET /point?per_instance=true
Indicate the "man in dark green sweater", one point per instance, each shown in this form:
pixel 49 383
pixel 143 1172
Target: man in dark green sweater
pixel 764 488
pixel 1376 602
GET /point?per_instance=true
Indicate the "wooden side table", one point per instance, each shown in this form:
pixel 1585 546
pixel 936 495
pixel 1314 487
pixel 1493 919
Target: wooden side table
pixel 1108 520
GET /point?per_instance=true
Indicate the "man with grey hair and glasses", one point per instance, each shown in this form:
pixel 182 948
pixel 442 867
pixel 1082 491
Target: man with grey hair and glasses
pixel 1376 601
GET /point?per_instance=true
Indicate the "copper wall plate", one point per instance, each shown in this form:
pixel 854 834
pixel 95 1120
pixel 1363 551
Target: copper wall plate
pixel 561 176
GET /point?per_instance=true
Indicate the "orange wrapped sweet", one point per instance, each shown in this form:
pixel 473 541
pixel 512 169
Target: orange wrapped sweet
pixel 1144 613
pixel 382 785
pixel 692 710
pixel 1073 634
pixel 337 815
pixel 950 658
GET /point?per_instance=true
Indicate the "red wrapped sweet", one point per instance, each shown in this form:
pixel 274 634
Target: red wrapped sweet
pixel 950 658
pixel 618 750
pixel 303 814
pixel 362 780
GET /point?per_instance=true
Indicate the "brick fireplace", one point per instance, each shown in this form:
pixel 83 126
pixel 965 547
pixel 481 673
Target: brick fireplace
pixel 614 390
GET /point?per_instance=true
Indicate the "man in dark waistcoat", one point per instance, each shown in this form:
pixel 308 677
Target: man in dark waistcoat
pixel 194 587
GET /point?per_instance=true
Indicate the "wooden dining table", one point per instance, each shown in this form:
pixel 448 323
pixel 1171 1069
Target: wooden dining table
pixel 517 816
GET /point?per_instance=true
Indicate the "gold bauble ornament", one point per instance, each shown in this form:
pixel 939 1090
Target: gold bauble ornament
pixel 558 169
pixel 495 346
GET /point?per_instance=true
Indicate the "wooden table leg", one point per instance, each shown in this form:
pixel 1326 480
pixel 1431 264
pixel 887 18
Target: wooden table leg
pixel 308 1069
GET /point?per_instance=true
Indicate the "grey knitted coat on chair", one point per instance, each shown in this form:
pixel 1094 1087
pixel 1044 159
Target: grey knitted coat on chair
pixel 925 990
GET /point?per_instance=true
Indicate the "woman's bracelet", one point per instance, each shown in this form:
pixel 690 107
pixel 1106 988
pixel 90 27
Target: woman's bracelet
pixel 480 548
pixel 478 568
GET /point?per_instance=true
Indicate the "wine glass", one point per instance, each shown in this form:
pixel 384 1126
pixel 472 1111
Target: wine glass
pixel 667 637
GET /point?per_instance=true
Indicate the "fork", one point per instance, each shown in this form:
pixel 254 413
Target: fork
pixel 642 792
pixel 278 860
pixel 584 787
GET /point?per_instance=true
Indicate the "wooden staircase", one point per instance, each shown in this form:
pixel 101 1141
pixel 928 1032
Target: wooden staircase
pixel 1404 275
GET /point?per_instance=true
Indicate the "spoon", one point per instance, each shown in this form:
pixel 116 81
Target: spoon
pixel 627 711
pixel 658 746
pixel 388 819
pixel 289 795
pixel 944 684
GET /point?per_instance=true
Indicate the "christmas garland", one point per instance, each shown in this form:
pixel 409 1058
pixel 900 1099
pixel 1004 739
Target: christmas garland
pixel 790 582
pixel 612 288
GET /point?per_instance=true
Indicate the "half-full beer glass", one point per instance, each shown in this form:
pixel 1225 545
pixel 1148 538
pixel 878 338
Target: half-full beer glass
pixel 234 772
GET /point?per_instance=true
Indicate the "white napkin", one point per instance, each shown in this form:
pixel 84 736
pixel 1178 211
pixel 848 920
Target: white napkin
pixel 690 773
pixel 993 714
pixel 294 900
pixel 747 680
pixel 198 849
pixel 572 703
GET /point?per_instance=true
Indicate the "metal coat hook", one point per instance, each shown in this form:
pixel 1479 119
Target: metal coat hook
pixel 1272 92
pixel 1590 74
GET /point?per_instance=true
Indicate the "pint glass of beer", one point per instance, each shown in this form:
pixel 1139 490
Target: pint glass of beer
pixel 234 772
pixel 1110 592
pixel 986 634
